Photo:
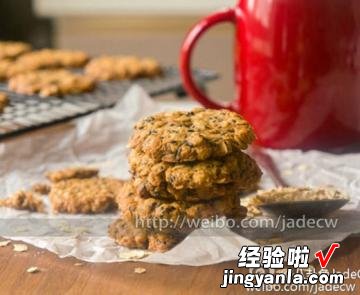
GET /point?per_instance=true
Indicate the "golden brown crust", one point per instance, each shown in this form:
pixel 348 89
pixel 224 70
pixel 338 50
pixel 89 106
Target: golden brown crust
pixel 51 83
pixel 122 67
pixel 92 195
pixel 194 181
pixel 72 172
pixel 5 66
pixel 127 235
pixel 199 134
pixel 48 59
pixel 130 202
pixel 23 200
pixel 167 192
pixel 4 101
pixel 12 49
pixel 41 188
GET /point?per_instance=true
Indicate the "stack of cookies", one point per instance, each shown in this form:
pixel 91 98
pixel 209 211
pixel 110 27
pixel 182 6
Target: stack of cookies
pixel 185 166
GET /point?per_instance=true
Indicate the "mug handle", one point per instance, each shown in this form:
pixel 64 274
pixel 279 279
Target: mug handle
pixel 227 15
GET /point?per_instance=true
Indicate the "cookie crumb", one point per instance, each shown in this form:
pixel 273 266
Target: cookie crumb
pixel 78 231
pixel 33 269
pixel 139 270
pixel 65 227
pixel 287 172
pixel 303 167
pixel 134 254
pixel 20 248
pixel 21 229
pixel 4 243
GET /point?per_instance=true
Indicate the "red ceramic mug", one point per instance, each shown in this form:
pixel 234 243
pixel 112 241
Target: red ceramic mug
pixel 297 70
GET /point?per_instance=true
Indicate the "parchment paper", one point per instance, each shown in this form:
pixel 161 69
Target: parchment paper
pixel 100 140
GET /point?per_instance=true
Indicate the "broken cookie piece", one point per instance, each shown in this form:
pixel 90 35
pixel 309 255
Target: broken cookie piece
pixel 92 195
pixel 23 200
pixel 41 188
pixel 71 173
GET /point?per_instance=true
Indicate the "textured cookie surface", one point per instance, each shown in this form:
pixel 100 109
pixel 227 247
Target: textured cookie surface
pixel 4 101
pixel 23 200
pixel 204 180
pixel 48 59
pixel 189 136
pixel 150 208
pixel 11 49
pixel 41 188
pixel 92 195
pixel 122 67
pixel 128 235
pixel 72 172
pixel 51 83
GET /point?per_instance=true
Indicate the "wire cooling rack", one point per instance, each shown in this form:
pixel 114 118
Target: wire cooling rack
pixel 29 112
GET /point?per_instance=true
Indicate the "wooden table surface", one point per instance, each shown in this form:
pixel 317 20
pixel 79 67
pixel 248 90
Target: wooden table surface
pixel 62 276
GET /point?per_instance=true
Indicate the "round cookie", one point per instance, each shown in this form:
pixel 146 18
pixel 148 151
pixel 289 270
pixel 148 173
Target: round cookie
pixel 51 83
pixel 12 49
pixel 199 134
pixel 194 181
pixel 128 235
pixel 107 67
pixel 175 211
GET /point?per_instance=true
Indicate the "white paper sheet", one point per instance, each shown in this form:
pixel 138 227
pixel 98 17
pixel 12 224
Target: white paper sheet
pixel 100 140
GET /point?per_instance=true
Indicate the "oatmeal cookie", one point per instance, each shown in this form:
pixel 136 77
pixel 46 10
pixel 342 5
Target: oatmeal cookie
pixel 48 59
pixel 199 134
pixel 72 172
pixel 12 49
pixel 23 200
pixel 51 83
pixel 4 101
pixel 128 235
pixel 207 179
pixel 131 203
pixel 122 67
pixel 92 195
